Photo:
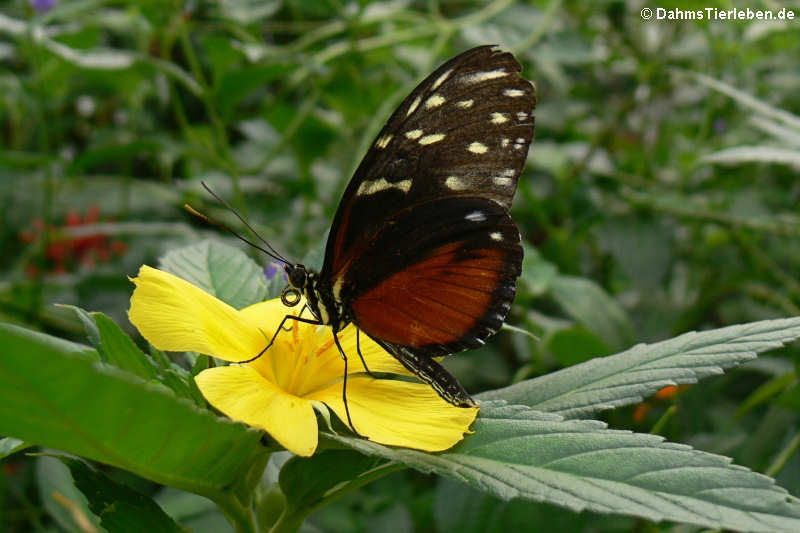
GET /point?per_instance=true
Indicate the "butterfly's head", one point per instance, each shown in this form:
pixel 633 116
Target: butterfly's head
pixel 297 274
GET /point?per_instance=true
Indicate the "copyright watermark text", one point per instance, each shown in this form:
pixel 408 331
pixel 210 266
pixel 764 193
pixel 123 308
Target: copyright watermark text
pixel 713 13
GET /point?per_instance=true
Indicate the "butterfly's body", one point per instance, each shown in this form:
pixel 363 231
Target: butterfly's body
pixel 422 255
pixel 322 303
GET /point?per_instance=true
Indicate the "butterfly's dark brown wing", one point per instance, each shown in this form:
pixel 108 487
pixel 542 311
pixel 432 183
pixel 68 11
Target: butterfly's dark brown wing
pixel 423 255
pixel 463 132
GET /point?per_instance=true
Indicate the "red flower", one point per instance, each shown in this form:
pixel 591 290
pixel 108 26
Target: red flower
pixel 66 253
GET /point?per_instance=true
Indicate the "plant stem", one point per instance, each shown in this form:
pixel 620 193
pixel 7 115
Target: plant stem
pixel 783 457
pixel 288 522
pixel 240 516
pixel 665 418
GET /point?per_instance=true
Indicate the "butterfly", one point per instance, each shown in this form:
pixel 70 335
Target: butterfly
pixel 422 255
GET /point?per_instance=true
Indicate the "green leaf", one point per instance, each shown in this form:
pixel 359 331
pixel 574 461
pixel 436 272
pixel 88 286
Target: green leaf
pixel 641 248
pixel 62 500
pixel 466 510
pixel 306 481
pixel 190 510
pixel 574 345
pixel 537 273
pixel 10 446
pixel 119 350
pixel 235 85
pixel 629 377
pixel 790 398
pixel 585 301
pixel 103 59
pixel 309 483
pixel 120 508
pixel 100 58
pixel 781 134
pixel 220 270
pixel 92 333
pixel 759 106
pixel 517 452
pixel 755 154
pixel 63 399
pixel 247 11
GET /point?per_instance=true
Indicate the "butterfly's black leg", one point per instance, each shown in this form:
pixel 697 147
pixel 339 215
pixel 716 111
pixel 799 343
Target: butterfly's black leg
pixel 360 356
pixel 344 386
pixel 275 335
pixel 305 306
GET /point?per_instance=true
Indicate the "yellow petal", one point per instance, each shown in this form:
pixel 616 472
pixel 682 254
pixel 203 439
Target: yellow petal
pixel 400 413
pixel 305 358
pixel 268 315
pixel 378 359
pixel 243 394
pixel 175 315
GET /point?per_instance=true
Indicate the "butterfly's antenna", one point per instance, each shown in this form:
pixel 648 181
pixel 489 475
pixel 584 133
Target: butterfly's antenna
pixel 274 254
pixel 210 220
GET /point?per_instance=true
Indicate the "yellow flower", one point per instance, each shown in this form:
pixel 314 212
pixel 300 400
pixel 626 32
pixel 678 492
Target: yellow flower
pixel 277 392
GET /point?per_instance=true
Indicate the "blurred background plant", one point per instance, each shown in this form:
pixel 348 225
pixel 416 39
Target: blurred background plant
pixel 660 196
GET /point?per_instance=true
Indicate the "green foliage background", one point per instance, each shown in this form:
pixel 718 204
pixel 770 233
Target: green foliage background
pixel 661 196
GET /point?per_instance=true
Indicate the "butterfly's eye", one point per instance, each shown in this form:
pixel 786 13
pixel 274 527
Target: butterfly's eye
pixel 297 276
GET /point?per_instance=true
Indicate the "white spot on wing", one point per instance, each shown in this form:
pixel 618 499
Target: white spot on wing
pixel 509 172
pixel 477 148
pixel 475 216
pixel 435 100
pixel 498 118
pixel 371 187
pixel 413 106
pixel 479 77
pixel 430 139
pixel 513 93
pixel 519 143
pixel 454 183
pixel 440 80
pixel 414 134
pixel 383 141
pixel 504 142
pixel 521 115
pixel 502 180
pixel 465 104
pixel 496 236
